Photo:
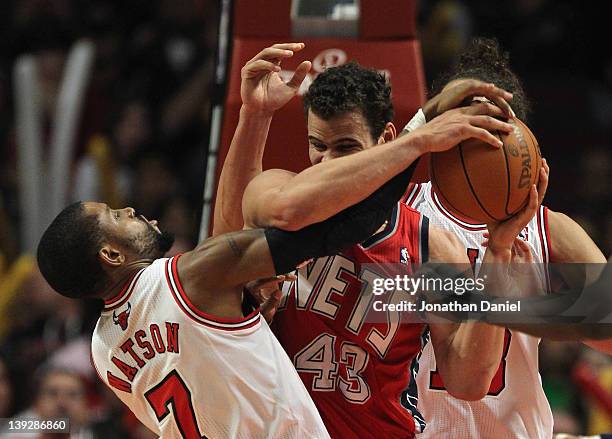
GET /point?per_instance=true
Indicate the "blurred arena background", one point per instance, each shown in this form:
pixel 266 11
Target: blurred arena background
pixel 141 138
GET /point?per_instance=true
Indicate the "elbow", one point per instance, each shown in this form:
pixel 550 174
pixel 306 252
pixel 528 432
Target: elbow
pixel 287 216
pixel 472 384
pixel 469 390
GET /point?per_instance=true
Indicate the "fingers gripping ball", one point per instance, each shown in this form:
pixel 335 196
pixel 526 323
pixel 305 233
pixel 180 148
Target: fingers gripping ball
pixel 486 184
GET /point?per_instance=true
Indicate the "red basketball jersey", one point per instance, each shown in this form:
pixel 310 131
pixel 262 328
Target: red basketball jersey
pixel 357 372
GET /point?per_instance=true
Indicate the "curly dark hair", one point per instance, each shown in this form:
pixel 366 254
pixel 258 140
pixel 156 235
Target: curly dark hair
pixel 67 253
pixel 484 59
pixel 351 87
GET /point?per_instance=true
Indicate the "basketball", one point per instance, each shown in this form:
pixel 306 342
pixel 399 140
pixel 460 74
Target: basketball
pixel 484 184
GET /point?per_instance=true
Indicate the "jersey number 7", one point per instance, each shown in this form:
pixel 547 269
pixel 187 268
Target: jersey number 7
pixel 172 392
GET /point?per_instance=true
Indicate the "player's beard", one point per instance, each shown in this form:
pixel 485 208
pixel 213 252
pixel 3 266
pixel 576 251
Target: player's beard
pixel 151 244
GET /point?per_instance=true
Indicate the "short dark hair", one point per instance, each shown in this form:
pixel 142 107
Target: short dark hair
pixel 67 253
pixel 348 88
pixel 484 59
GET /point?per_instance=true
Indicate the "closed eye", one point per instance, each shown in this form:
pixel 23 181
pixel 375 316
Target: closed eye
pixel 318 146
pixel 347 147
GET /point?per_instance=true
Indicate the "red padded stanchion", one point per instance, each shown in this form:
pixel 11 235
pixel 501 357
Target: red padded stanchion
pixel 387 41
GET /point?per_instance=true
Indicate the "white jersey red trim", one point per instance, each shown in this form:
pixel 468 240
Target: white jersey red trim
pixel 195 314
pixel 516 406
pixel 124 294
pixel 188 374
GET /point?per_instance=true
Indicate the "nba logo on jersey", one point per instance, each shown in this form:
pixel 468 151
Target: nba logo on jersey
pixel 524 235
pixel 121 319
pixel 404 256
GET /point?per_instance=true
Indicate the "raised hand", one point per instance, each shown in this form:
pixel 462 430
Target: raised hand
pixel 262 90
pixel 454 126
pixel 502 234
pixel 460 90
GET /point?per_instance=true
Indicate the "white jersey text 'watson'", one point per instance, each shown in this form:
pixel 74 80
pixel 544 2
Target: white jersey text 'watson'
pixel 187 374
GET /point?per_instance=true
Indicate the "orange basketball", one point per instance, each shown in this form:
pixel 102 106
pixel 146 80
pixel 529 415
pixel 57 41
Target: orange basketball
pixel 484 184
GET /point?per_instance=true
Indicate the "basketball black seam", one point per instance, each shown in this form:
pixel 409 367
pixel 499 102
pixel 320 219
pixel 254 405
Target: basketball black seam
pixel 439 189
pixel 538 155
pixel 470 184
pixel 507 174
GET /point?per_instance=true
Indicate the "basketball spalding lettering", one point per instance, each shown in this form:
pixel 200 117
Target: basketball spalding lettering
pixel 481 183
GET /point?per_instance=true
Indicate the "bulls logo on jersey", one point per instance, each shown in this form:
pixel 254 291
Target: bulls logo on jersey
pixel 121 319
pixel 404 256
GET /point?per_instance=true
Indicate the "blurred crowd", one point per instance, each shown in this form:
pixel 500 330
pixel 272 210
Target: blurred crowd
pixel 143 138
pixel 141 142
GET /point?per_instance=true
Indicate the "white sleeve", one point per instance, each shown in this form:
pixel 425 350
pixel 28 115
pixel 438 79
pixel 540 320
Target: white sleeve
pixel 418 120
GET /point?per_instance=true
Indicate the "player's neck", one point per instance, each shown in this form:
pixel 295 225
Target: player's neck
pixel 123 276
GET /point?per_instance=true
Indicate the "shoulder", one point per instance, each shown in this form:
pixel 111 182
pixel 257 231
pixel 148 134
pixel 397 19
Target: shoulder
pixel 270 178
pixel 264 202
pixel 559 220
pixel 569 241
pixel 267 183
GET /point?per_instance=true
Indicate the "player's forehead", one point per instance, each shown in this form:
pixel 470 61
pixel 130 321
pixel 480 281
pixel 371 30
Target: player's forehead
pixel 94 208
pixel 347 125
pixel 101 210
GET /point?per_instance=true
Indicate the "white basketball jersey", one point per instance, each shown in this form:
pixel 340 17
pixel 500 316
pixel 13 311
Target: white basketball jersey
pixel 187 374
pixel 516 406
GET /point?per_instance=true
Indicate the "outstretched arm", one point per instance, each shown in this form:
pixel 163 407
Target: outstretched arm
pixel 460 95
pixel 291 201
pixel 263 92
pixel 214 273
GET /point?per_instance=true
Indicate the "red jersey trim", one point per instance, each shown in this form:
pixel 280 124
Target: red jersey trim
pixel 124 294
pixel 384 234
pixel 195 314
pixel 547 234
pixel 412 193
pixel 542 221
pixel 453 218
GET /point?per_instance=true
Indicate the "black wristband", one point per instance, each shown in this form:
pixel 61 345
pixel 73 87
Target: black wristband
pixel 350 226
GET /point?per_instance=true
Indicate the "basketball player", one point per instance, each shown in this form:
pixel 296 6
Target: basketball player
pixel 356 371
pixel 515 405
pixel 176 342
